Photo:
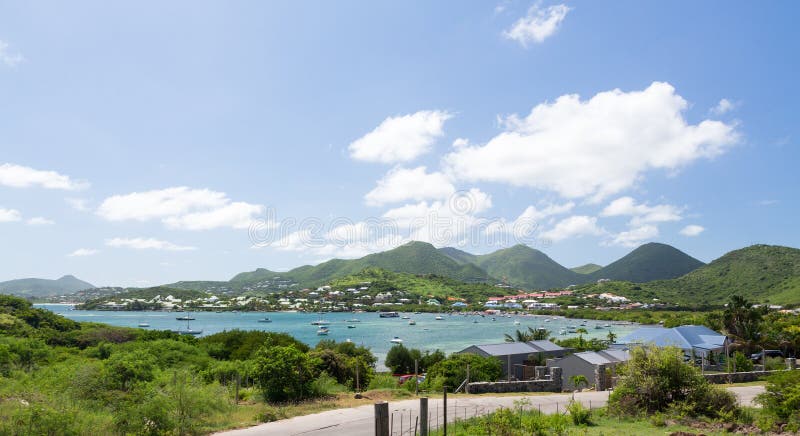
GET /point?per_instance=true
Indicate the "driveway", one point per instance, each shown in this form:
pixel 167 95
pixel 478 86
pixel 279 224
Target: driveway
pixel 359 421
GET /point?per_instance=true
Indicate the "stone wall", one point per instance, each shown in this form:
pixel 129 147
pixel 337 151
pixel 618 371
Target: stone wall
pixel 744 377
pixel 550 384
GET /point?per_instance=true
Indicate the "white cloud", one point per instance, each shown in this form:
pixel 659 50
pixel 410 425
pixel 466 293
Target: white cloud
pixel 146 244
pixel 593 148
pixel 642 213
pixel 83 252
pixel 402 184
pixel 237 215
pixel 7 57
pixel 574 226
pixel 692 230
pixel 181 207
pixel 9 215
pixel 537 25
pixel 40 221
pixel 724 106
pixel 18 176
pixel 460 142
pixel 400 138
pixel 635 236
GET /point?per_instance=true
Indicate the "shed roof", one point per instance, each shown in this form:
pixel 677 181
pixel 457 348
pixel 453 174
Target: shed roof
pixel 507 348
pixel 685 337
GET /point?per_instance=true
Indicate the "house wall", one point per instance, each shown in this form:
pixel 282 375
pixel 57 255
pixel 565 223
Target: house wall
pixel 571 366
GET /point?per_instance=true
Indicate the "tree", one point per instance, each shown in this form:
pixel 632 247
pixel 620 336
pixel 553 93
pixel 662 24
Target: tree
pixel 581 331
pixel 578 380
pixel 743 321
pixel 126 368
pixel 284 372
pixel 454 369
pixel 611 336
pixel 400 360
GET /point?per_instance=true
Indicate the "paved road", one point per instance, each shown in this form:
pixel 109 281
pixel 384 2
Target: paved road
pixel 359 421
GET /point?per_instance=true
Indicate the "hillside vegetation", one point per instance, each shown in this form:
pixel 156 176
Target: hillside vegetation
pixel 587 269
pixel 649 262
pixel 44 287
pixel 523 266
pixel 761 273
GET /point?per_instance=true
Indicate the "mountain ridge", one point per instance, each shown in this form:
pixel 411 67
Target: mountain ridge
pixel 36 287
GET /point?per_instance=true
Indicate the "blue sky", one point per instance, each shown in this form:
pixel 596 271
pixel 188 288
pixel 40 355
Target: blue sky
pixel 146 143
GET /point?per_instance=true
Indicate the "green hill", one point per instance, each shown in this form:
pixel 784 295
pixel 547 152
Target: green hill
pixel 587 269
pixel 459 256
pixel 649 262
pixel 44 287
pixel 145 294
pixel 523 266
pixel 761 273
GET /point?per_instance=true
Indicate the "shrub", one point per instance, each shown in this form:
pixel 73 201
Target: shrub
pixel 656 379
pixel 579 414
pixel 774 363
pixel 383 381
pixel 325 386
pixel 285 373
pixel 454 369
pixel 782 397
pixel 742 363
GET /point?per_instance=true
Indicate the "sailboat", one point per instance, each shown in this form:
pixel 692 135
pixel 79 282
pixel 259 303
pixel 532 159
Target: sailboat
pixel 187 317
pixel 188 330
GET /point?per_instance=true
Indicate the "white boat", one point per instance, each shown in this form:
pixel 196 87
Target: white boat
pixel 516 322
pixel 396 340
pixel 354 320
pixel 606 325
pixel 320 322
pixel 562 332
pixel 144 325
pixel 405 317
pixel 264 320
pixel 388 314
pixel 412 322
pixel 323 331
pixel 439 318
pixel 188 330
pixel 350 326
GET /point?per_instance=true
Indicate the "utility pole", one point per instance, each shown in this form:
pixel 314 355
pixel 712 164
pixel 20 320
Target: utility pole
pixel 445 411
pixel 416 376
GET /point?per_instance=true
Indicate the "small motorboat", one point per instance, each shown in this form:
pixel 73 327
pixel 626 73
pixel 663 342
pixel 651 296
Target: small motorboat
pixel 264 320
pixel 320 322
pixel 598 326
pixel 562 332
pixel 354 320
pixel 412 322
pixel 404 317
pixel 516 322
pixel 439 318
pixel 396 340
pixel 351 326
pixel 323 331
pixel 607 325
pixel 474 321
pixel 144 325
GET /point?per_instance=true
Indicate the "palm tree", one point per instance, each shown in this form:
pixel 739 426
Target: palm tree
pixel 612 337
pixel 540 334
pixel 577 381
pixel 581 331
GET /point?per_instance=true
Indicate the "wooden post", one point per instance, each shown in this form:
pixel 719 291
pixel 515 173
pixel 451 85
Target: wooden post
pixel 238 380
pixel 358 388
pixel 382 419
pixel 416 377
pixel 444 432
pixel 423 416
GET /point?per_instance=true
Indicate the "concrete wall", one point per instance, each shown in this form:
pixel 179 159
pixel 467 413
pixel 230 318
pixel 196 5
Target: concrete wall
pixel 550 384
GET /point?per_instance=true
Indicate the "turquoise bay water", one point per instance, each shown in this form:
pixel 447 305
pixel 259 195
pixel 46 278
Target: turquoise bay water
pixel 454 333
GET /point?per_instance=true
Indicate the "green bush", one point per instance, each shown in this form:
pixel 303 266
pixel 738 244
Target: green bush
pixel 285 373
pixel 383 381
pixel 325 386
pixel 774 363
pixel 782 397
pixel 742 363
pixel 579 414
pixel 454 369
pixel 656 379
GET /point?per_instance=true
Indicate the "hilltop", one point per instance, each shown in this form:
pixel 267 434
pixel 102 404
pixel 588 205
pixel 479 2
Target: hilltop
pixel 526 267
pixel 649 262
pixel 761 273
pixel 33 287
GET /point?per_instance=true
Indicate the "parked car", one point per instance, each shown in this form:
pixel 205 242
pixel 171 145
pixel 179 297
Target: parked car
pixel 770 353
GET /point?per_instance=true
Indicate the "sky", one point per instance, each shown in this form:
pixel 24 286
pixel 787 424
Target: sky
pixel 143 143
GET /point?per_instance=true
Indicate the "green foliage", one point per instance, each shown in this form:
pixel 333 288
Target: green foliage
pixel 579 414
pixel 587 269
pixel 652 261
pixel 43 287
pixel 656 379
pixel 739 362
pixel 383 381
pixel 325 386
pixel 454 370
pixel 580 344
pixel 242 344
pixel 782 397
pixel 127 368
pixel 284 373
pixel 539 334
